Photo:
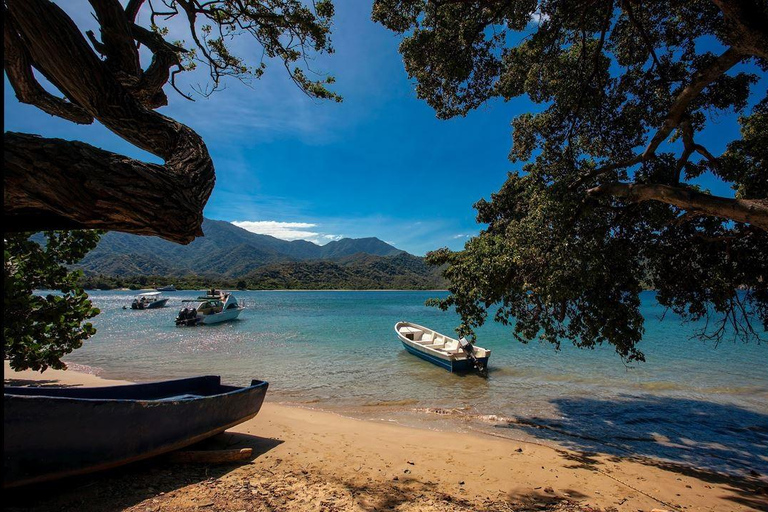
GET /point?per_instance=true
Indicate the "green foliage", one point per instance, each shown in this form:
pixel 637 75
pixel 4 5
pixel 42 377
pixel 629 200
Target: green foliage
pixel 287 32
pixel 563 262
pixel 38 330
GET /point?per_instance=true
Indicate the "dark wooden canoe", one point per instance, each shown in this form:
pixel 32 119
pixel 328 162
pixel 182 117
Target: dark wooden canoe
pixel 51 433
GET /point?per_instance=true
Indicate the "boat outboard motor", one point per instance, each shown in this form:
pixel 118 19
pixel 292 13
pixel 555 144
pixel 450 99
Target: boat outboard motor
pixel 187 316
pixel 469 349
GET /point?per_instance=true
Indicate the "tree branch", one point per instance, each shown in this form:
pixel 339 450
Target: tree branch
pixel 677 111
pixel 749 211
pixel 700 80
pixel 132 9
pixel 57 48
pixel 164 56
pixel 28 90
pixel 748 22
pixel 121 52
pixel 52 184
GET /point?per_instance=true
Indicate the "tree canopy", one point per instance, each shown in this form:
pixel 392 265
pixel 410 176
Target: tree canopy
pixel 38 330
pixel 605 201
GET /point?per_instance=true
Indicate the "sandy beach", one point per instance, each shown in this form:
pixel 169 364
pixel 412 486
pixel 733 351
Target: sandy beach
pixel 312 460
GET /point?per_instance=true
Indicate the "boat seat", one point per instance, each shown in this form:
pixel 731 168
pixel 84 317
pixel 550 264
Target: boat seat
pixel 411 333
pixel 452 347
pixel 426 338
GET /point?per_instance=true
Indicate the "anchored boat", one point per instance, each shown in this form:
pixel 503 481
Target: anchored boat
pixel 51 433
pixel 169 288
pixel 213 308
pixel 149 300
pixel 453 355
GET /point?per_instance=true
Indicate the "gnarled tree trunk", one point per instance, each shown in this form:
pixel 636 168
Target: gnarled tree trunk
pixel 58 184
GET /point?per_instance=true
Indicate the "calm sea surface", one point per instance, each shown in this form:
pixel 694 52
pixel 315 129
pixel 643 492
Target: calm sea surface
pixel 690 403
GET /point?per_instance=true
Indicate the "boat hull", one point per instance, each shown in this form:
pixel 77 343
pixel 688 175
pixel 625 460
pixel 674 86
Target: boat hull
pixel 461 365
pixel 224 316
pixel 152 305
pixel 52 433
pixel 453 360
pixel 157 304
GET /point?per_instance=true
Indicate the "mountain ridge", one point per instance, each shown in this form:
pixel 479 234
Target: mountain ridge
pixel 229 254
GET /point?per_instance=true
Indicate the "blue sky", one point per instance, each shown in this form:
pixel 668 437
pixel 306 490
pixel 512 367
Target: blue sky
pixel 379 164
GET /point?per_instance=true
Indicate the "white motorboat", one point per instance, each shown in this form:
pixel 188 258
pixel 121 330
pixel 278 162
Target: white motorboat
pixel 213 308
pixel 453 355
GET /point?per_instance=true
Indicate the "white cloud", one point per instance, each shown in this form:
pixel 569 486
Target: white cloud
pixel 456 237
pixel 538 17
pixel 287 230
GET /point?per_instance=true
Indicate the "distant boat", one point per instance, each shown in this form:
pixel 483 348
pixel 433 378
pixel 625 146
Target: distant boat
pixel 453 355
pixel 51 433
pixel 149 300
pixel 169 288
pixel 212 308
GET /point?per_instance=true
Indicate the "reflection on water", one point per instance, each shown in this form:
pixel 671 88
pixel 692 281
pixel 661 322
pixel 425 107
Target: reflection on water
pixel 338 351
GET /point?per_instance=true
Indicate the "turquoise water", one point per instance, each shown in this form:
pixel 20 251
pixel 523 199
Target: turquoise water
pixel 691 402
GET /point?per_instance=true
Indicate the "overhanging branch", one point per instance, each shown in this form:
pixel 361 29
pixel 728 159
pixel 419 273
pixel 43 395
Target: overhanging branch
pixel 57 184
pixel 183 183
pixel 748 211
pixel 28 90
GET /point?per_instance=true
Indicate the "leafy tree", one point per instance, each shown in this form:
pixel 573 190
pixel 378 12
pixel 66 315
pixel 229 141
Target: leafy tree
pixel 606 197
pixel 38 330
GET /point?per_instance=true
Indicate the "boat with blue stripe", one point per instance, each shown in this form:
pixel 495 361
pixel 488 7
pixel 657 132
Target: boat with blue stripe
pixel 441 350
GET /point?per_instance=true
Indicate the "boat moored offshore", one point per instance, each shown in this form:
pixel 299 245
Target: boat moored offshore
pixel 453 355
pixel 213 308
pixel 149 300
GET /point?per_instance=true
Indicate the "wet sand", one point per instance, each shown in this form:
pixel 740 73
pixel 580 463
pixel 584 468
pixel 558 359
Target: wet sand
pixel 318 461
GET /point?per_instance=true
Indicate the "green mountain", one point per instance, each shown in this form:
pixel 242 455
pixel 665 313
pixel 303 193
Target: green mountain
pixel 359 272
pixel 228 255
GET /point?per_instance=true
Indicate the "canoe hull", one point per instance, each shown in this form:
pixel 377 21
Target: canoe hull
pixel 70 431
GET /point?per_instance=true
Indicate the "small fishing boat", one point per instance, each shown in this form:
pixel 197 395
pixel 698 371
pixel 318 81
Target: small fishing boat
pixel 149 300
pixel 51 433
pixel 169 288
pixel 454 355
pixel 213 308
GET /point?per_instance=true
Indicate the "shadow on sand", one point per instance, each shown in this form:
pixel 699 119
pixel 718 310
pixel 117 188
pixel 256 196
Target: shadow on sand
pixel 23 383
pixel 717 443
pixel 129 485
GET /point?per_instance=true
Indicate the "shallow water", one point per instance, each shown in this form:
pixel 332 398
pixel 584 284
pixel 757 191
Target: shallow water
pixel 690 403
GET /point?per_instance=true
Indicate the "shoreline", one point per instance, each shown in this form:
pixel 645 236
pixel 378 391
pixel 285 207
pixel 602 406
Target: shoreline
pixel 272 290
pixel 306 456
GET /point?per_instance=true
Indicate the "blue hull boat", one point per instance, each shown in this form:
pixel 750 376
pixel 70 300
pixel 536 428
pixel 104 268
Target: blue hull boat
pixel 441 350
pixel 52 433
